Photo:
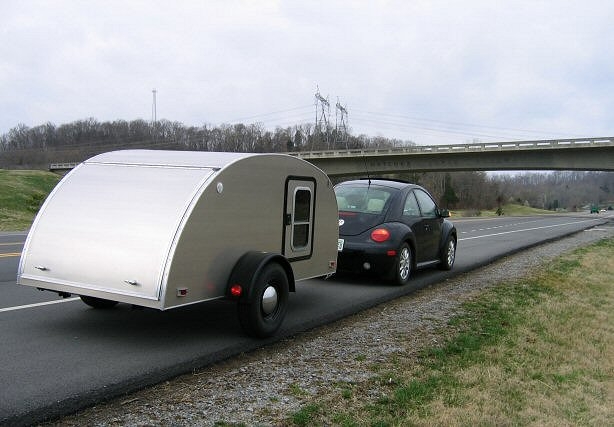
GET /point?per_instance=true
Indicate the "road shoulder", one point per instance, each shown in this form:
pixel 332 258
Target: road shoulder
pixel 266 386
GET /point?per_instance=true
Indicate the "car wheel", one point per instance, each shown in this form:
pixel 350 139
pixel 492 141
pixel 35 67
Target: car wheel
pixel 98 302
pixel 448 254
pixel 402 266
pixel 262 314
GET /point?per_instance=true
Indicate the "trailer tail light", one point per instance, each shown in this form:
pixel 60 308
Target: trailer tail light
pixel 380 235
pixel 236 290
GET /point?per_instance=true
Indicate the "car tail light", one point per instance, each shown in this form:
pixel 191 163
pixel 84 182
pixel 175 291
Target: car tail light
pixel 236 290
pixel 380 235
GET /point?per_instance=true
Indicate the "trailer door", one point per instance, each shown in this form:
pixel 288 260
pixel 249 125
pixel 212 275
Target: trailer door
pixel 299 218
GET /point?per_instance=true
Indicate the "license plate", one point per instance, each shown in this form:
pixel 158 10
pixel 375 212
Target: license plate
pixel 340 243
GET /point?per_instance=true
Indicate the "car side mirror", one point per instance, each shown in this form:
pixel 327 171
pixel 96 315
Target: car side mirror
pixel 444 213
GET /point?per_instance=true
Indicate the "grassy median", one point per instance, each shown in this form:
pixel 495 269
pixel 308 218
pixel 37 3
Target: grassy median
pixel 21 194
pixel 537 351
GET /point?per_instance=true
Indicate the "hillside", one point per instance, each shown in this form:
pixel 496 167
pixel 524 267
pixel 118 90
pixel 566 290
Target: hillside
pixel 21 194
pixel 512 209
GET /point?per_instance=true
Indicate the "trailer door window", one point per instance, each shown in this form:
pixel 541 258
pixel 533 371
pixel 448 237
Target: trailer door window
pixel 301 222
pixel 299 218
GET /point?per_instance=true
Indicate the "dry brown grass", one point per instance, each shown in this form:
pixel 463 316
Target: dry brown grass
pixel 556 367
pixel 552 364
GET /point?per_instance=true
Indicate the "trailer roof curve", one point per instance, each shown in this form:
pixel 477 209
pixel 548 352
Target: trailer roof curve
pixel 186 159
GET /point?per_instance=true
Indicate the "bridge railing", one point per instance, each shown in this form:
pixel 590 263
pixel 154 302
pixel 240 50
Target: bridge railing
pixel 476 147
pixel 63 166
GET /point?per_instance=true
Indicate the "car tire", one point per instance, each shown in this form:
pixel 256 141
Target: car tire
pixel 98 302
pixel 448 254
pixel 402 265
pixel 263 313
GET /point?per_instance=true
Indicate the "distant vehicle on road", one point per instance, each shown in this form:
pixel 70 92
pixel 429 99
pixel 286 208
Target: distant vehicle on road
pixel 391 227
pixel 594 209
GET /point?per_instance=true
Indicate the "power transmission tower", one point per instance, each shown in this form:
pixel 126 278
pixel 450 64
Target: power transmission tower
pixel 322 116
pixel 341 129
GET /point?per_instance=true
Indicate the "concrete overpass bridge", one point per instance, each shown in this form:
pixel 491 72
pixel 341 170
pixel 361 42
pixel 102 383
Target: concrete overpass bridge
pixel 562 154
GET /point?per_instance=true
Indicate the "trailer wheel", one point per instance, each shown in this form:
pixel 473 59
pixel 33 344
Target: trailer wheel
pixel 98 302
pixel 262 314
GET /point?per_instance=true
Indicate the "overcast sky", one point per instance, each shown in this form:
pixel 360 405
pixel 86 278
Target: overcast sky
pixel 425 71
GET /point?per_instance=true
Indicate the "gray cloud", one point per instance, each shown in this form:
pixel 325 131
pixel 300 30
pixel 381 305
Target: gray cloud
pixel 430 71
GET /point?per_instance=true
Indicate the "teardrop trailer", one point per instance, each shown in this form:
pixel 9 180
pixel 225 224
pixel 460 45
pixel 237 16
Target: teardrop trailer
pixel 166 229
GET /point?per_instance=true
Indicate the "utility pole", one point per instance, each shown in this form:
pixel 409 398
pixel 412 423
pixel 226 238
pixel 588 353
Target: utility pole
pixel 154 116
pixel 154 113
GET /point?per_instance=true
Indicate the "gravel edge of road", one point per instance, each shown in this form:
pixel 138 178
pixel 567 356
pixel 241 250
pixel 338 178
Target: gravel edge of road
pixel 266 386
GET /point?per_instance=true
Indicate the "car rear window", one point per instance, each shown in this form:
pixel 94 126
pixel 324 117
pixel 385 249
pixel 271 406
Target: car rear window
pixel 363 199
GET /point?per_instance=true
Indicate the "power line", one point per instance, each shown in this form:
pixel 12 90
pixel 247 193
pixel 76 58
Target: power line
pixel 451 126
pixel 303 107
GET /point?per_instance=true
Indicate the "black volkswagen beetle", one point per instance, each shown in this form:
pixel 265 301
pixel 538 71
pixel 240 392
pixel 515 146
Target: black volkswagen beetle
pixel 389 227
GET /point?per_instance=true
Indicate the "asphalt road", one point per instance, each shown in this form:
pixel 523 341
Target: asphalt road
pixel 59 356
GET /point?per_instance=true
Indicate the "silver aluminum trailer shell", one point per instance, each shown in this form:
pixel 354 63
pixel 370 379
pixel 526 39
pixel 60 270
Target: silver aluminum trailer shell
pixel 164 229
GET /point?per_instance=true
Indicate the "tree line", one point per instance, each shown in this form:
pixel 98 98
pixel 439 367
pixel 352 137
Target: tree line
pixel 36 147
pixel 570 191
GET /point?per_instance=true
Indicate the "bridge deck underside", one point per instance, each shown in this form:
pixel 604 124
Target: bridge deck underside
pixel 594 158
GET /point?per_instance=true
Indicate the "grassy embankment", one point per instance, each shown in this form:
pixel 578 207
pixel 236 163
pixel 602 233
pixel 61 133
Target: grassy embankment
pixel 510 209
pixel 536 351
pixel 21 194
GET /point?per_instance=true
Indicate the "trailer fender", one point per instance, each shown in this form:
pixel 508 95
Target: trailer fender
pixel 261 283
pixel 246 270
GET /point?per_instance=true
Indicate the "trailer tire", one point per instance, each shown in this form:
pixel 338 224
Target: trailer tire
pixel 263 313
pixel 98 302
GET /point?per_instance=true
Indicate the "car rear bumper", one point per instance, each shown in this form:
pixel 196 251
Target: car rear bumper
pixel 358 259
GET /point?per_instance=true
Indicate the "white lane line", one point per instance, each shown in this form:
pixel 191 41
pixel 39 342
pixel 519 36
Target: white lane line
pixel 499 226
pixel 526 229
pixel 21 307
